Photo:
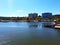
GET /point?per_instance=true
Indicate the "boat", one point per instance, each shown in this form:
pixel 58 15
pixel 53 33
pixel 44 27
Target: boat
pixel 57 26
pixel 49 25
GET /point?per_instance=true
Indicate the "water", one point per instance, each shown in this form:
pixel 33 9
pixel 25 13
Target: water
pixel 28 33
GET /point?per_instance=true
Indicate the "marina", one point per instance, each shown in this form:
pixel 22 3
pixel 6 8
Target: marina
pixel 28 33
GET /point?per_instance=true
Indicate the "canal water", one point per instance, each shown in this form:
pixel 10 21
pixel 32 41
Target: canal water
pixel 28 33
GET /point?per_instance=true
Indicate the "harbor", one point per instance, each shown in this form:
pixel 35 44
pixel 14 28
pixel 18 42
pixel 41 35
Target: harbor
pixel 28 33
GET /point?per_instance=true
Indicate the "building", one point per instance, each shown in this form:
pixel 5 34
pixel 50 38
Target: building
pixel 32 16
pixel 47 16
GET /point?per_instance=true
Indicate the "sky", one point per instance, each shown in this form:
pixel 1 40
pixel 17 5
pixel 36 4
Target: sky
pixel 24 7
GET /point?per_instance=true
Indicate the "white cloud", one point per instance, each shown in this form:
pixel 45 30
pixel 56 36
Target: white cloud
pixel 10 15
pixel 19 10
pixel 13 15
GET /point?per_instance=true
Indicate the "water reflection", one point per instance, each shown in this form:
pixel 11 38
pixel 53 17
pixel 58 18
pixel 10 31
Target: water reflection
pixel 33 24
pixel 44 23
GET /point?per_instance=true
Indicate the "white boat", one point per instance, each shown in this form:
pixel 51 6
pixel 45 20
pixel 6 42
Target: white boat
pixel 57 26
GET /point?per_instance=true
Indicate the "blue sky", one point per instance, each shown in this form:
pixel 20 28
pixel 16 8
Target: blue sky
pixel 23 7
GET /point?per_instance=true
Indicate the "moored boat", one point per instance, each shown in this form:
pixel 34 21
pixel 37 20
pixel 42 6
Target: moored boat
pixel 57 26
